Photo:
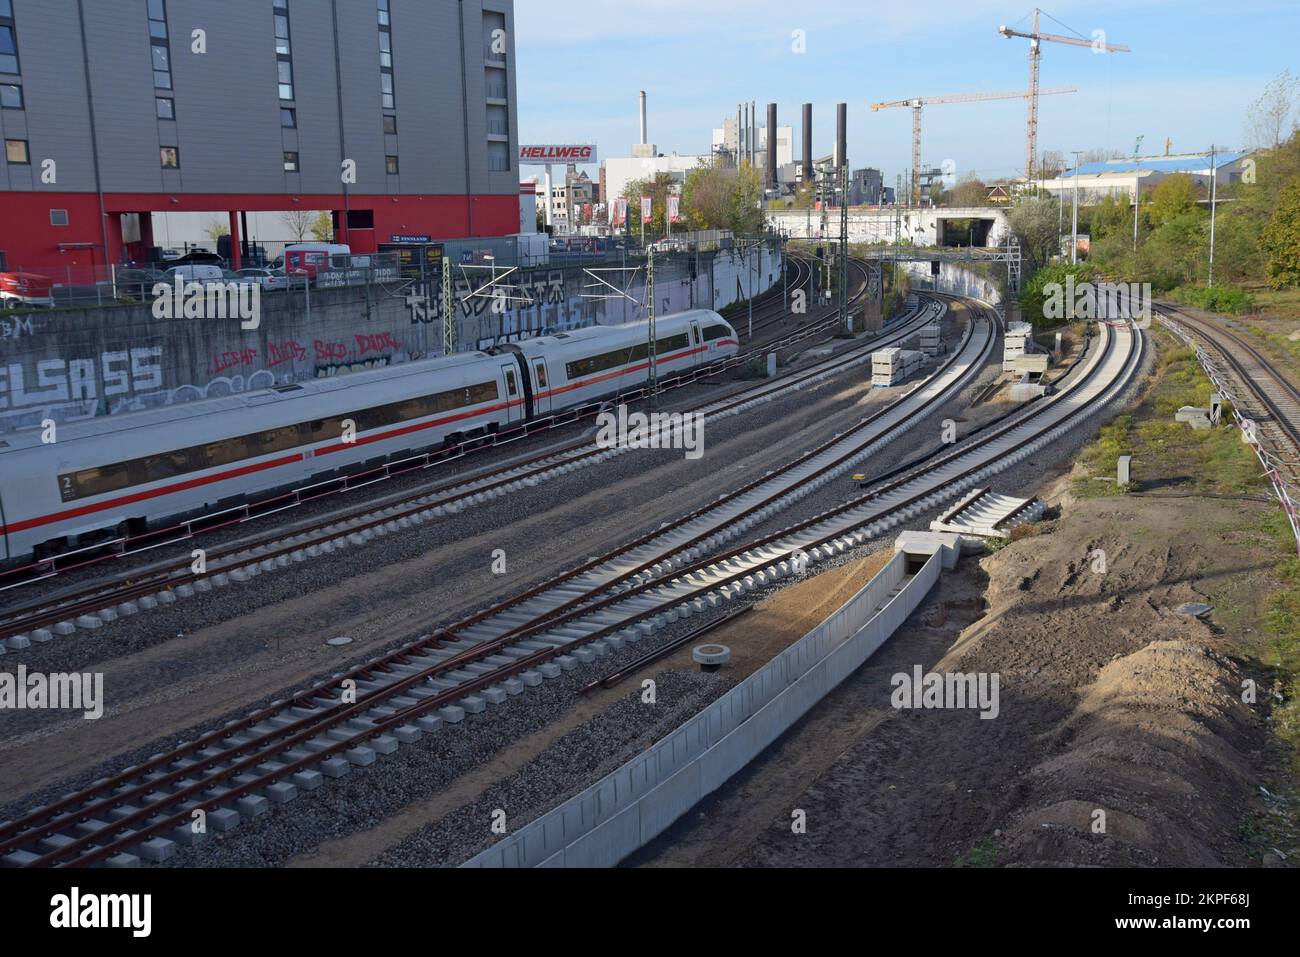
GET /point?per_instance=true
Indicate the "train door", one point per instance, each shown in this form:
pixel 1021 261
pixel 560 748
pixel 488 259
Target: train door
pixel 697 342
pixel 514 394
pixel 541 388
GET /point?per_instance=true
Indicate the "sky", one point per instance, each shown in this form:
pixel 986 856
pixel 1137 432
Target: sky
pixel 1193 70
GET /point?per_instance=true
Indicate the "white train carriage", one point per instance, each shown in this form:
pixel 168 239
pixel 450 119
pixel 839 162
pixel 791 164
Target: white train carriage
pixel 579 367
pixel 121 474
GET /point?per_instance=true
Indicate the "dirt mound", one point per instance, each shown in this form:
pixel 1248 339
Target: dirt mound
pixel 1151 767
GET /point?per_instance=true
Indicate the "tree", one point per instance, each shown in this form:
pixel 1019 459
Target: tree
pixel 1174 196
pixel 1051 165
pixel 322 228
pixel 1270 119
pixel 215 229
pixel 1280 241
pixel 657 187
pixel 745 215
pixel 971 191
pixel 298 222
pixel 706 196
pixel 1035 222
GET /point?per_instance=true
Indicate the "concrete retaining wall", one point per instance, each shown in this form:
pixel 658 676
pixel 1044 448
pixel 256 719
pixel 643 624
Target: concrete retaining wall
pixel 74 364
pixel 952 279
pixel 630 807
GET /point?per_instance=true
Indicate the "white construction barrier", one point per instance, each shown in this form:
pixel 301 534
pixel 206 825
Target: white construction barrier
pixel 631 806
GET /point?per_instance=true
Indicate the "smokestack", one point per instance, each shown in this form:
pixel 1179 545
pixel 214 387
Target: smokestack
pixel 841 134
pixel 771 146
pixel 643 120
pixel 807 143
pixel 753 132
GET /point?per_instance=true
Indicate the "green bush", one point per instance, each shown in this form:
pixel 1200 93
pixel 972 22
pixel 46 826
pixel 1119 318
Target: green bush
pixel 1221 299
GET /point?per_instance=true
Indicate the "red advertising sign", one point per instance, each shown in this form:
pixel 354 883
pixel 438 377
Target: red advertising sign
pixel 544 155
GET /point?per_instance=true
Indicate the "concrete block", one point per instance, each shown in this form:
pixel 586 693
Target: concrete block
pixel 473 704
pixel 567 662
pixel 514 686
pixel 428 723
pixel 494 695
pixel 383 744
pixel 223 819
pixel 281 792
pixel 18 642
pixel 308 780
pixel 253 805
pixel 549 669
pixel 156 850
pixel 42 635
pixel 64 628
pixel 148 603
pixel 408 734
pixel 334 767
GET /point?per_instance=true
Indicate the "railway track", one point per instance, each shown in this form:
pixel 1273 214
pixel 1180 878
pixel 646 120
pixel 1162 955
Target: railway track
pixel 266 757
pixel 295 744
pixel 1266 404
pixel 153 540
pixel 100 603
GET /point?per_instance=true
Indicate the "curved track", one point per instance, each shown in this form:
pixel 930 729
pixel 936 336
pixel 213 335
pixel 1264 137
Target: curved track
pixel 577 616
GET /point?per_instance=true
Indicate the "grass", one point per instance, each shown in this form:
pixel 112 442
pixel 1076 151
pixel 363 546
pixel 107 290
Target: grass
pixel 1165 451
pixel 1277 303
pixel 983 854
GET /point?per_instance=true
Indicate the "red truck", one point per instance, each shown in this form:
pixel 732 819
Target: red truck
pixel 21 289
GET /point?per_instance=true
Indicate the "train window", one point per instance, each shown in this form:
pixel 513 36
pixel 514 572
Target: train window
pixel 155 468
pixel 714 332
pixel 98 481
pixel 278 440
pixel 224 453
pixel 541 374
pixel 512 388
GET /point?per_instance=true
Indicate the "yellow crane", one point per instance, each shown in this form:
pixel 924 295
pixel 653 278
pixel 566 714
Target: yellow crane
pixel 1097 44
pixel 917 103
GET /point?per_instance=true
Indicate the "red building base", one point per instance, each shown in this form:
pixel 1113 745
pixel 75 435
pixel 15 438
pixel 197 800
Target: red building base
pixel 30 240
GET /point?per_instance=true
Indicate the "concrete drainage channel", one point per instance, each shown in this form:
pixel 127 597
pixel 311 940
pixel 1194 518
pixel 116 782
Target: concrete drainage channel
pixel 302 756
pixel 242 566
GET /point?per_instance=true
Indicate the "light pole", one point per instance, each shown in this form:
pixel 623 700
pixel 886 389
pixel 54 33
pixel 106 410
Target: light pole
pixel 1074 228
pixel 1214 193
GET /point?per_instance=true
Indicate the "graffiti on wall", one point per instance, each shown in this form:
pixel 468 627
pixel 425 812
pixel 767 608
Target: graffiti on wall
pixel 129 380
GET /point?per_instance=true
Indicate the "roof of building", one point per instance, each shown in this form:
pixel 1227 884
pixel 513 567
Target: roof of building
pixel 1186 163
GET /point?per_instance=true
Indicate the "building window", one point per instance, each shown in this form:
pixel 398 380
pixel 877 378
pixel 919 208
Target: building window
pixel 8 46
pixel 390 124
pixel 166 107
pixel 16 152
pixel 291 162
pixel 391 163
pixel 283 50
pixel 11 96
pixel 161 53
pixel 171 157
pixel 58 217
pixel 288 118
pixel 386 55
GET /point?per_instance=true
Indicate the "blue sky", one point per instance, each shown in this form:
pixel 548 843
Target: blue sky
pixel 1194 68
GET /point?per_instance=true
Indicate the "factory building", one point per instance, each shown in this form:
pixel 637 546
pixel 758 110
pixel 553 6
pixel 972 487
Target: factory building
pixel 395 117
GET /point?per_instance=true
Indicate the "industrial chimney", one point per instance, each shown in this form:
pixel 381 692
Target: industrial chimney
pixel 807 143
pixel 643 120
pixel 841 134
pixel 771 146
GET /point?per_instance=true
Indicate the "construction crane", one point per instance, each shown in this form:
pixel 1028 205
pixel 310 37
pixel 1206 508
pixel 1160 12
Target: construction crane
pixel 1035 38
pixel 917 103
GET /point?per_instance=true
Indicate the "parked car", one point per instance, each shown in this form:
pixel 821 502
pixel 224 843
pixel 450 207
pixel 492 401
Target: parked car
pixel 198 273
pixel 266 278
pixel 138 283
pixel 167 255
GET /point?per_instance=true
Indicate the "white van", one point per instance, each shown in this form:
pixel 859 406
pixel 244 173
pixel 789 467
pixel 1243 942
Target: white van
pixel 197 272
